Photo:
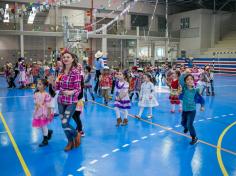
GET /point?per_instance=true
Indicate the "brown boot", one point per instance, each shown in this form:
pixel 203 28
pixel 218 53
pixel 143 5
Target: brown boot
pixel 69 146
pixel 125 122
pixel 77 140
pixel 118 122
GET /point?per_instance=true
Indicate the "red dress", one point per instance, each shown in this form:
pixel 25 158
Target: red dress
pixel 174 94
pixel 106 81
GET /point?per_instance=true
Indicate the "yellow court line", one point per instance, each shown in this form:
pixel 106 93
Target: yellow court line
pixel 20 157
pixel 218 151
pixel 173 131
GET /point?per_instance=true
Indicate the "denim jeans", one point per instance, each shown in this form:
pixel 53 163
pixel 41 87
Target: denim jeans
pixel 187 122
pixel 35 78
pixel 66 112
pixel 97 75
pixel 212 86
pixel 90 92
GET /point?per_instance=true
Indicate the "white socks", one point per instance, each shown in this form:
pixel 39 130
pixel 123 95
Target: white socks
pixel 117 110
pixel 45 130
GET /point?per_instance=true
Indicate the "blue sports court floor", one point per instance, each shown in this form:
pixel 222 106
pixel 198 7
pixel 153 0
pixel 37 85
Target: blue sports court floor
pixel 143 148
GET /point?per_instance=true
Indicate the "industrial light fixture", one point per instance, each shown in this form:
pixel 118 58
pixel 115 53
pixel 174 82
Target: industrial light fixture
pixel 32 15
pixel 6 14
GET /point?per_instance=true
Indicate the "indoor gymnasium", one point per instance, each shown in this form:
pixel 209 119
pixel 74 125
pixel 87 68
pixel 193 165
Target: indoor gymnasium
pixel 117 87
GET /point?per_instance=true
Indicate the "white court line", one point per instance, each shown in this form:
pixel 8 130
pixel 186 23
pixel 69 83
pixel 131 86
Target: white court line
pixel 227 86
pixel 161 131
pixel 134 141
pixel 3 132
pixel 177 126
pixel 169 128
pixel 70 175
pixel 152 134
pixel 224 115
pixel 201 120
pixel 105 155
pixel 231 114
pixel 80 169
pixel 209 118
pixel 15 97
pixel 115 150
pixel 126 145
pixel 144 137
pixel 216 117
pixel 93 162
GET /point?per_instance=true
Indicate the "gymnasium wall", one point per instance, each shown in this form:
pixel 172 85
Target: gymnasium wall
pixel 221 65
pixel 205 28
pixel 36 48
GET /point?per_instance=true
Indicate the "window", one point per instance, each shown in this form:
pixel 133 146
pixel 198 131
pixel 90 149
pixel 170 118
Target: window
pixel 143 51
pixel 159 52
pixel 184 23
pixel 161 23
pixel 139 20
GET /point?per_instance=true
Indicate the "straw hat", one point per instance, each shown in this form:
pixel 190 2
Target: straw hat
pixel 9 65
pixel 39 62
pixel 106 68
pixel 85 58
pixel 98 54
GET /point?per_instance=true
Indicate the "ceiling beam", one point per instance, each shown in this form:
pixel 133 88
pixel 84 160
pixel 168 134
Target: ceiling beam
pixel 226 4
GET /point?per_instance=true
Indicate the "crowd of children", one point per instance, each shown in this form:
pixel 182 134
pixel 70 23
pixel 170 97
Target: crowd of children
pixel 187 85
pixel 25 75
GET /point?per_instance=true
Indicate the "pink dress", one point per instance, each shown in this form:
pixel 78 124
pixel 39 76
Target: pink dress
pixel 41 116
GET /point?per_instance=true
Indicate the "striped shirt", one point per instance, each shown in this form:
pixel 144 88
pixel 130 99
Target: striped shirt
pixel 71 81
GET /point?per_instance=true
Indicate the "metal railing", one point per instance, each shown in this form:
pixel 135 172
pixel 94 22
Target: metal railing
pixel 190 33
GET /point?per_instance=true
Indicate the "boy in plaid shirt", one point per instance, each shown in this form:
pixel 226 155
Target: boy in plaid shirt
pixel 106 84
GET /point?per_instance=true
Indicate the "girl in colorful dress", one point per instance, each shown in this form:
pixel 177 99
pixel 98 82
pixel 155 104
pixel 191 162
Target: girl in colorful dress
pixel 133 79
pixel 105 84
pixel 196 74
pixel 122 101
pixel 54 96
pixel 22 75
pixel 147 96
pixel 190 97
pixel 175 90
pixel 212 80
pixel 29 76
pixel 78 112
pixel 79 105
pixel 88 83
pixel 204 82
pixel 137 84
pixel 43 114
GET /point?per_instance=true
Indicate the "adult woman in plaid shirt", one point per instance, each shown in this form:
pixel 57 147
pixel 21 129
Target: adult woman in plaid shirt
pixel 68 84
